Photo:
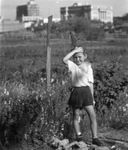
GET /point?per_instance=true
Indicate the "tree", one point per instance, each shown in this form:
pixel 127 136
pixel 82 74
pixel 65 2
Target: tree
pixel 125 17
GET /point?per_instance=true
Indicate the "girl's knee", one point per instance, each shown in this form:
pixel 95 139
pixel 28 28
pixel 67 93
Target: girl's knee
pixel 92 117
pixel 91 112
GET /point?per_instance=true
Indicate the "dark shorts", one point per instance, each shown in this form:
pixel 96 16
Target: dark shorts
pixel 80 97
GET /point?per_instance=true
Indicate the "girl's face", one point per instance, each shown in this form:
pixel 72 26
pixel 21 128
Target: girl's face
pixel 79 58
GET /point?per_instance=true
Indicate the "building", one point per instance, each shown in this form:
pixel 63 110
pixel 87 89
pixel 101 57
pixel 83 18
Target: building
pixel 101 13
pixel 77 10
pixel 33 8
pixel 45 20
pixel 28 12
pixel 21 11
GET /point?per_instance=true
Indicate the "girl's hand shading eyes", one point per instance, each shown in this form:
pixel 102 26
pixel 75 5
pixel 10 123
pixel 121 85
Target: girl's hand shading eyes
pixel 78 50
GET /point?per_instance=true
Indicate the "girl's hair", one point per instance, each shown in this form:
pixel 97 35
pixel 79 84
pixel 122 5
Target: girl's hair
pixel 84 51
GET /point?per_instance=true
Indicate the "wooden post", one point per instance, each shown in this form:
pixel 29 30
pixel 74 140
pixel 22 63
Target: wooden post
pixel 48 63
pixel 48 67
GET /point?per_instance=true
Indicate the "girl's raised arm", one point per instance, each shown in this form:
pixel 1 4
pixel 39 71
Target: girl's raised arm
pixel 70 54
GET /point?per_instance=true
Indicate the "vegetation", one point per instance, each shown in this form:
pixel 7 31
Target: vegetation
pixel 29 113
pixel 121 20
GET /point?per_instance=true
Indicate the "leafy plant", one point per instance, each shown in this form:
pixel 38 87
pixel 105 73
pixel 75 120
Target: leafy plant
pixel 110 82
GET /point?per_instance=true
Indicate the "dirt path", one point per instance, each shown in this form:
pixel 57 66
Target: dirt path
pixel 121 135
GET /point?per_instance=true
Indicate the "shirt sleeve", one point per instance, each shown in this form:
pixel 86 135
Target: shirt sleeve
pixel 90 74
pixel 71 66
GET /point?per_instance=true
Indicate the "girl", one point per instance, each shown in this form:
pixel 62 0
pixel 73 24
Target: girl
pixel 82 94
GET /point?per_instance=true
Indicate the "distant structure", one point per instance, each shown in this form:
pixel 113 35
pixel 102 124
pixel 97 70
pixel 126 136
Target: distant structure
pixel 101 13
pixel 45 20
pixel 1 18
pixel 28 12
pixel 77 10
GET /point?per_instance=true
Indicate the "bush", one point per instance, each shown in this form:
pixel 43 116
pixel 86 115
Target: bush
pixel 111 81
pixel 89 30
pixel 20 107
pixel 95 34
pixel 30 112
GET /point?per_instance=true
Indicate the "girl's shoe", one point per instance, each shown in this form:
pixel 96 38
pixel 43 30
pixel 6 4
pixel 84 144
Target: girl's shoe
pixel 97 142
pixel 79 138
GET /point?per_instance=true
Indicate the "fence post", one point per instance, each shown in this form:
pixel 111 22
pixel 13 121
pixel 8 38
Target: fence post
pixel 48 62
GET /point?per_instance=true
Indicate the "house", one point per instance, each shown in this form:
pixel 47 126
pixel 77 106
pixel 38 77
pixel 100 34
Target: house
pixel 100 13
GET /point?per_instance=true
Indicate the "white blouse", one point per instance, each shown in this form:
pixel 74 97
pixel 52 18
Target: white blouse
pixel 81 75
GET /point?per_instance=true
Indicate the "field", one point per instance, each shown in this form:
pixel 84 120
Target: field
pixel 8 26
pixel 23 58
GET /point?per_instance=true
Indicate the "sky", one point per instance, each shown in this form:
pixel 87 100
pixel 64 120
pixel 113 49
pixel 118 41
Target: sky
pixel 52 7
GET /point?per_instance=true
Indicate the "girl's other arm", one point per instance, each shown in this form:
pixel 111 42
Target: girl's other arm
pixel 92 91
pixel 91 81
pixel 91 88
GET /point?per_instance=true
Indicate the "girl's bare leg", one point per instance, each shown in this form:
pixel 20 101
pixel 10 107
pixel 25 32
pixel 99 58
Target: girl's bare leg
pixel 93 121
pixel 76 115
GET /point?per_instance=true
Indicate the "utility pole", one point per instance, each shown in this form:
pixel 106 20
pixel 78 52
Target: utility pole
pixel 48 63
